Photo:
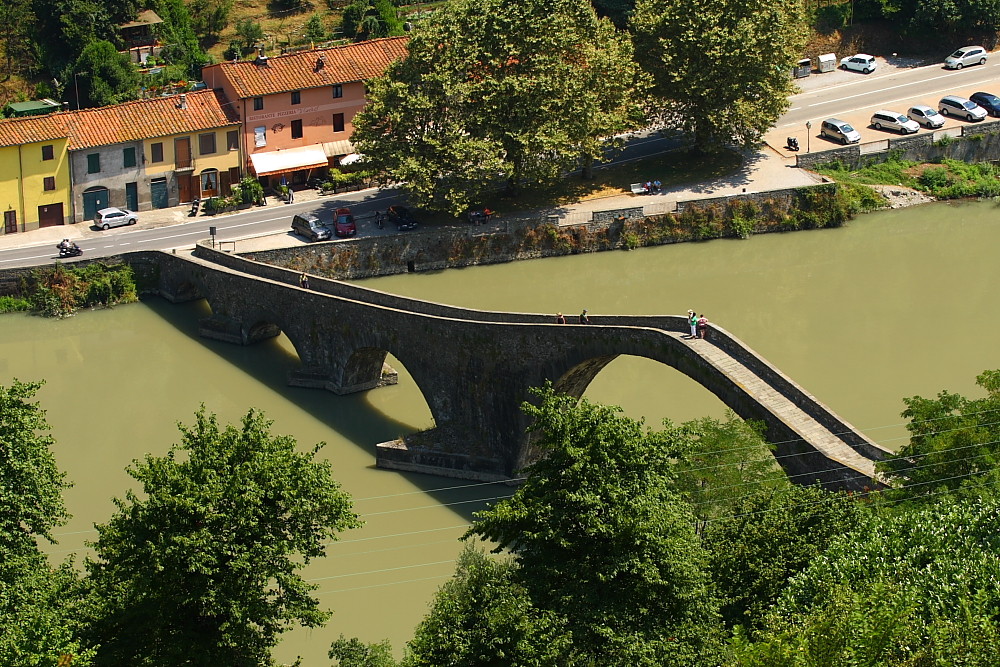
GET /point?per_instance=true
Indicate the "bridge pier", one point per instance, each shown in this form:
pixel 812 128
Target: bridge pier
pixel 422 452
pixel 228 330
pixel 316 377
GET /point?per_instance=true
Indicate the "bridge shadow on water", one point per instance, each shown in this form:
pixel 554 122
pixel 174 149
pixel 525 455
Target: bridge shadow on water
pixel 353 417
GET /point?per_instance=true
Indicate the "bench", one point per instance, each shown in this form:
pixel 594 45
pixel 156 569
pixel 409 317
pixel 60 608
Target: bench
pixel 638 189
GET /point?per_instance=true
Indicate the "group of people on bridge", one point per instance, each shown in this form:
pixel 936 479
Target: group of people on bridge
pixel 698 323
pixel 584 319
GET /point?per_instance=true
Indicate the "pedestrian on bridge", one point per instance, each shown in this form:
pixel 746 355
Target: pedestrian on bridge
pixel 693 322
pixel 583 317
pixel 702 326
pixel 560 319
pixel 304 281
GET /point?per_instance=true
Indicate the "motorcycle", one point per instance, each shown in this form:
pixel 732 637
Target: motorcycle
pixel 792 144
pixel 71 250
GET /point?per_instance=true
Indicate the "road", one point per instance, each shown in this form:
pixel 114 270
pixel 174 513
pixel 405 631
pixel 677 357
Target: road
pixel 853 97
pixel 847 95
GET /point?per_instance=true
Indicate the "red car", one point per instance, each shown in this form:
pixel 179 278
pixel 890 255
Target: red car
pixel 343 223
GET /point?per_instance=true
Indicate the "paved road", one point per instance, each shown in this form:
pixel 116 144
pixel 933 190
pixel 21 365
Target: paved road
pixel 853 97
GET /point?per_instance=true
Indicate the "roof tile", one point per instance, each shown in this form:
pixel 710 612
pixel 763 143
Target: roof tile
pixel 299 71
pixel 17 131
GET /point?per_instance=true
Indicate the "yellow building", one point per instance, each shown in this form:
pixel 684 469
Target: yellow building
pixel 35 188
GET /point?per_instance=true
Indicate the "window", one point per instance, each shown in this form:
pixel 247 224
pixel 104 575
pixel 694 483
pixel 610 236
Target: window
pixel 338 90
pixel 338 122
pixel 47 153
pixel 156 152
pixel 233 140
pixel 94 163
pixel 260 136
pixel 258 104
pixel 296 129
pixel 296 97
pixel 50 183
pixel 128 157
pixel 206 143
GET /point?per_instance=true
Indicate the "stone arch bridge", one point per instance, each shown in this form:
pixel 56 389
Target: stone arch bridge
pixel 474 368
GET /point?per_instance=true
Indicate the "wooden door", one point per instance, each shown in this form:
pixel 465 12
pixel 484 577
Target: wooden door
pixel 182 152
pixel 184 187
pixel 51 215
pixel 224 188
pixel 10 222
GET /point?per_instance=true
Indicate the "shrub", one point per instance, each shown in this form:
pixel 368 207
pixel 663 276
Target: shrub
pixel 934 178
pixel 12 304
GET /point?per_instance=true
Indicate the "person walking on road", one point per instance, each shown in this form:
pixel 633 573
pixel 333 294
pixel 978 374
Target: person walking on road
pixel 583 317
pixel 304 281
pixel 693 323
pixel 702 326
pixel 560 319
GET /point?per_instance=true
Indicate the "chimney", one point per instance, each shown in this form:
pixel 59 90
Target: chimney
pixel 261 58
pixel 320 63
pixel 183 102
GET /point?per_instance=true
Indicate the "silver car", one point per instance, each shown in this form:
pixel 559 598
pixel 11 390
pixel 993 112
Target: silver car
pixel 838 130
pixel 967 55
pixel 891 120
pixel 926 116
pixel 953 105
pixel 107 218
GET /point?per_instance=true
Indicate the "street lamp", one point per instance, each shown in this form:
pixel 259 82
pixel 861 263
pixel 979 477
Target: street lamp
pixel 76 86
pixel 809 125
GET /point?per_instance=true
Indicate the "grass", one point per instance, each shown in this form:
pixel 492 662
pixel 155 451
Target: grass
pixel 949 179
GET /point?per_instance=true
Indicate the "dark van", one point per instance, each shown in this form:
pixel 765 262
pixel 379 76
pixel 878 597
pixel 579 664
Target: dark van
pixel 310 226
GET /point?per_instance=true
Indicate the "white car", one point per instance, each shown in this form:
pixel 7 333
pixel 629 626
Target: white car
pixel 967 55
pixel 891 120
pixel 926 116
pixel 861 62
pixel 107 218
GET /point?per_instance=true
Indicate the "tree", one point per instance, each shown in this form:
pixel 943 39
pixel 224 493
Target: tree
pixel 602 540
pixel 250 32
pixel 720 70
pixel 210 17
pixel 484 616
pixel 355 653
pixel 203 568
pixel 31 484
pixel 493 92
pixel 910 587
pixel 104 76
pixel 766 538
pixel 17 22
pixel 365 19
pixel 180 42
pixel 314 30
pixel 726 460
pixel 954 444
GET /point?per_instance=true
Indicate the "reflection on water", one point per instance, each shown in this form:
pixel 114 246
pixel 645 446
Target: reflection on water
pixel 894 305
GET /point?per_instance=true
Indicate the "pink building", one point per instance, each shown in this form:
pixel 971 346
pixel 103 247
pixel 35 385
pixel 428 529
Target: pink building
pixel 297 109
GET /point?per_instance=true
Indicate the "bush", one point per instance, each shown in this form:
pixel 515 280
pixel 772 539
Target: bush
pixel 13 304
pixel 60 291
pixel 934 178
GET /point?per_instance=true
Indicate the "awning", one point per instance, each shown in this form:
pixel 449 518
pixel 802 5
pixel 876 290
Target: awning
pixel 335 148
pixel 351 159
pixel 289 159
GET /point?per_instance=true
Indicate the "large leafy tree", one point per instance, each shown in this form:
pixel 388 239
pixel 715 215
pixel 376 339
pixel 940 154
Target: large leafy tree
pixel 765 538
pixel 31 484
pixel 954 444
pixel 720 68
pixel 203 567
pixel 912 587
pixel 484 616
pixel 39 605
pixel 603 540
pixel 496 92
pixel 104 76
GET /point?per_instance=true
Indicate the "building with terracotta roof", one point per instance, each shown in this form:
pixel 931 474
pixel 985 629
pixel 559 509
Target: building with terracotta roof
pixel 297 109
pixel 145 154
pixel 34 173
pixel 152 153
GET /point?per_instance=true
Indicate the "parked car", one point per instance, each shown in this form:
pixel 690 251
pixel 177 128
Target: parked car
pixel 839 130
pixel 402 217
pixel 861 62
pixel 988 101
pixel 343 223
pixel 311 227
pixel 967 55
pixel 890 120
pixel 953 105
pixel 107 218
pixel 926 116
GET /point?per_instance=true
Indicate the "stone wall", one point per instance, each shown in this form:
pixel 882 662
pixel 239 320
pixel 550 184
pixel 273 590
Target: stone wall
pixel 437 249
pixel 978 143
